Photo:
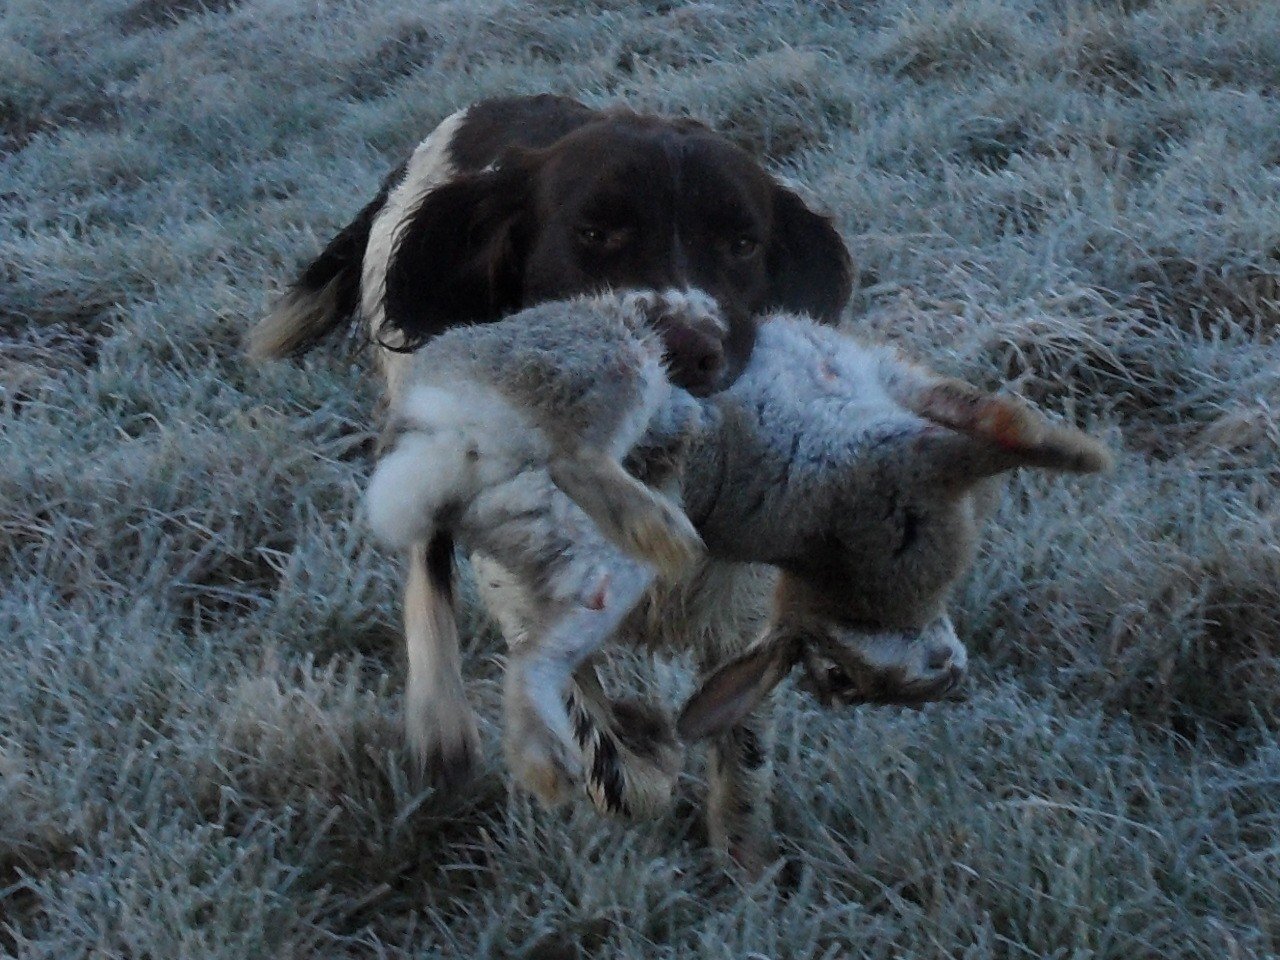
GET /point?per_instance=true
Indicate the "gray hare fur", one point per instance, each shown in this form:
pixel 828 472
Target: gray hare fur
pixel 509 437
pixel 859 477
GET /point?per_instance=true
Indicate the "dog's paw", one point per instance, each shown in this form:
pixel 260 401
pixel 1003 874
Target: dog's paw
pixel 446 754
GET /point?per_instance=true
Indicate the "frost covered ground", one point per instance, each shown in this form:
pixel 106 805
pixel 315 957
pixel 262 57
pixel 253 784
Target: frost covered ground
pixel 199 670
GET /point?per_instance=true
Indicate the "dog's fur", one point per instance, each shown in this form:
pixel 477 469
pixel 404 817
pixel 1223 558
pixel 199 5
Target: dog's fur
pixel 860 476
pixel 511 202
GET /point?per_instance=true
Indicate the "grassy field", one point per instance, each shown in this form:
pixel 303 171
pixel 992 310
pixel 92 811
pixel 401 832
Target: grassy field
pixel 199 671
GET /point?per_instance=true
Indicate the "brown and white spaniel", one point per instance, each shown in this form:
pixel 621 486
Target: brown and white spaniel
pixel 516 201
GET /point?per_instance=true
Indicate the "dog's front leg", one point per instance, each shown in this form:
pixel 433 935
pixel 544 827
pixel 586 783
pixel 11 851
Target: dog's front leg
pixel 439 723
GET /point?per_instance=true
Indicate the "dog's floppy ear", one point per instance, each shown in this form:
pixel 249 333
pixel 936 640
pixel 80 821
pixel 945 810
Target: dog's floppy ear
pixel 809 266
pixel 458 258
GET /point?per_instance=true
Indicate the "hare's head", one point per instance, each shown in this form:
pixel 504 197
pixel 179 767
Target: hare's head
pixel 861 602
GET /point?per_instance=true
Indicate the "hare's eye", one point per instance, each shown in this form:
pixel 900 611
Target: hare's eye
pixel 910 532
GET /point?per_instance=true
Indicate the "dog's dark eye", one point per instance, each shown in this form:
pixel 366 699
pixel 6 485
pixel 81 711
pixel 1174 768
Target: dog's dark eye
pixel 602 239
pixel 743 247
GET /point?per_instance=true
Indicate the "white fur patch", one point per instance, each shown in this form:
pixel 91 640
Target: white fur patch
pixel 429 167
pixel 500 438
pixel 456 441
pixel 794 353
pixel 908 654
pixel 409 486
pixel 437 716
pixel 688 304
pixel 826 389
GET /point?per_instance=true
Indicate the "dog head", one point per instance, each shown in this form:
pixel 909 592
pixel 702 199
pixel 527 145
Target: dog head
pixel 620 201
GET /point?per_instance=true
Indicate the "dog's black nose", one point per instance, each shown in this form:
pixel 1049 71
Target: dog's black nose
pixel 705 369
pixel 696 358
pixel 710 362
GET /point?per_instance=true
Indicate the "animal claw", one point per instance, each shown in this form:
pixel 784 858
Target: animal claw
pixel 665 537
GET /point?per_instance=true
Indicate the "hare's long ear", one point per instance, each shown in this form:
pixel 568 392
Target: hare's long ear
pixel 736 688
pixel 985 434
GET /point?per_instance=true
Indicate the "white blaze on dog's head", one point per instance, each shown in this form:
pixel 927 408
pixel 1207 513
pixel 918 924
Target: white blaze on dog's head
pixel 888 529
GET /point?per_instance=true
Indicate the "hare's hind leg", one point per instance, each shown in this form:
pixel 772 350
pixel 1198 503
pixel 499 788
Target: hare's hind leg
pixel 542 746
pixel 636 518
pixel 629 752
pixel 576 589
